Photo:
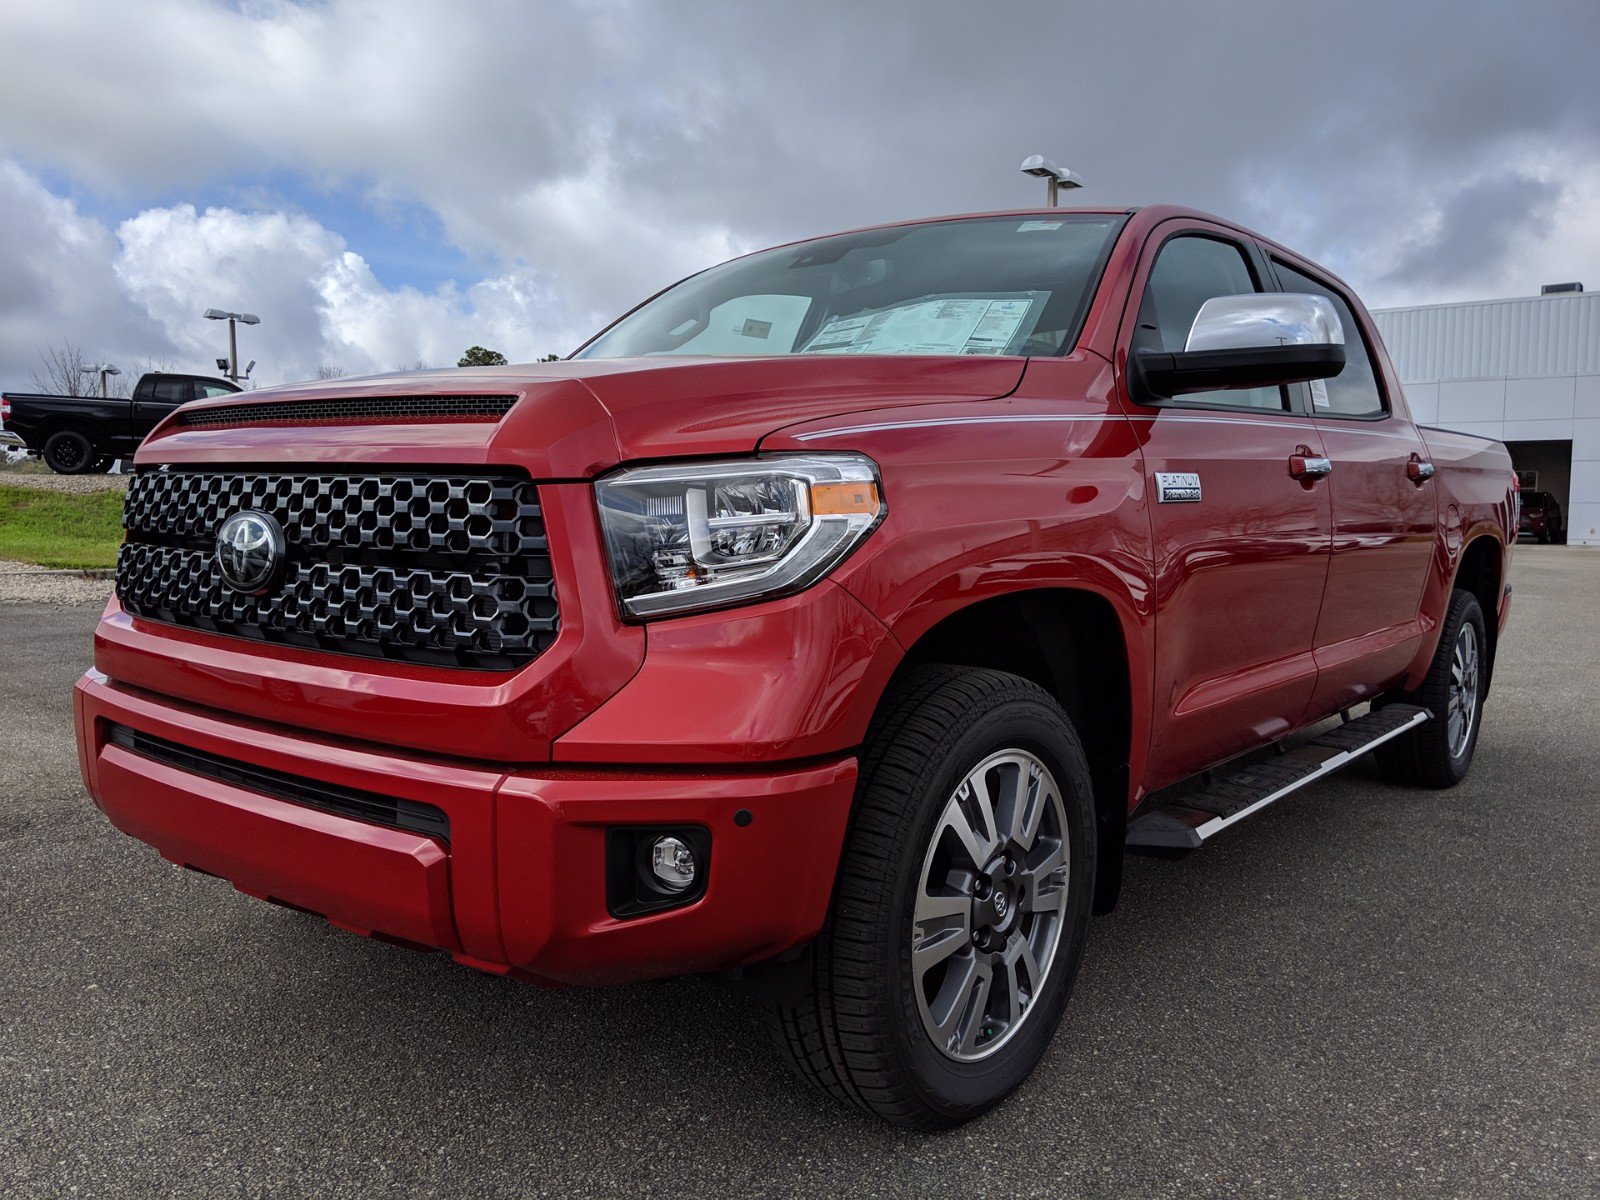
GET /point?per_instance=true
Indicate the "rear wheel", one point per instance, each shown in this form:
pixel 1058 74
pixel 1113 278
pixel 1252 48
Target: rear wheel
pixel 69 452
pixel 961 907
pixel 1438 753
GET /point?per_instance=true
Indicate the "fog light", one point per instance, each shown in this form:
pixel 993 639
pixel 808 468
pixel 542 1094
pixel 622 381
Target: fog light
pixel 672 863
pixel 650 868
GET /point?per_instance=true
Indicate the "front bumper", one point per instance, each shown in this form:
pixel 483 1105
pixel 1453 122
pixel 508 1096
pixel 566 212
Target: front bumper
pixel 519 885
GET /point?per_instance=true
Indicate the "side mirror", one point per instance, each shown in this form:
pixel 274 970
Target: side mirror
pixel 1257 340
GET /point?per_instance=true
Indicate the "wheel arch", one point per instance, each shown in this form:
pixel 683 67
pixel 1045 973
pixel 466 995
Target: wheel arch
pixel 1481 571
pixel 1071 642
pixel 65 423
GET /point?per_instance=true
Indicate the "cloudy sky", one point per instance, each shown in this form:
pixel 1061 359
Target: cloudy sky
pixel 386 181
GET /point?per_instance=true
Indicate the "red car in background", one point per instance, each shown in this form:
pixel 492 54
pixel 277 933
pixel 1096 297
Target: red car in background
pixel 836 621
pixel 1541 518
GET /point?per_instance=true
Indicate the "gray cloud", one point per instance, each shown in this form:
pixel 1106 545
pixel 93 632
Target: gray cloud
pixel 1478 225
pixel 589 153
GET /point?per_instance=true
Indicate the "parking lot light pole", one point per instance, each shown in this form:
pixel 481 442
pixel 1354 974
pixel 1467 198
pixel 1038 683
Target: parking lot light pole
pixel 1056 178
pixel 233 319
pixel 103 369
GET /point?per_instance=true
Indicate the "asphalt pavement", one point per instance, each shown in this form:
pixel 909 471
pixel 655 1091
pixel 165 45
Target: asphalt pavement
pixel 1364 991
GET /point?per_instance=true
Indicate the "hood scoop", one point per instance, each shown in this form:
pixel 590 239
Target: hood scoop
pixel 349 410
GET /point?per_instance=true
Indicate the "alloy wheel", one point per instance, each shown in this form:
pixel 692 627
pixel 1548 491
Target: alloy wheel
pixel 990 904
pixel 1461 706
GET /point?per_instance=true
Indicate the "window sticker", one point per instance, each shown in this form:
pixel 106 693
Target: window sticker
pixel 1319 393
pixel 934 325
pixel 1036 226
pixel 756 324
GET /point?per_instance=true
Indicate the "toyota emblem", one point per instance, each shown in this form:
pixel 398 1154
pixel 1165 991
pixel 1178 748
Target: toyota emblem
pixel 250 551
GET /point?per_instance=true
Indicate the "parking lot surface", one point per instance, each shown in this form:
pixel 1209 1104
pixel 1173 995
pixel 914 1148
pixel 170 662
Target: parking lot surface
pixel 1365 991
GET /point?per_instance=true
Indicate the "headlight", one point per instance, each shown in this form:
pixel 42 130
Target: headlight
pixel 702 535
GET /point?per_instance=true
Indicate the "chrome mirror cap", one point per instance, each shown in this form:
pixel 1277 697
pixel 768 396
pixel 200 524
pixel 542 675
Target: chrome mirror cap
pixel 1263 319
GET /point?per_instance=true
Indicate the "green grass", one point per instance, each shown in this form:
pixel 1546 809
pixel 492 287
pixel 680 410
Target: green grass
pixel 60 529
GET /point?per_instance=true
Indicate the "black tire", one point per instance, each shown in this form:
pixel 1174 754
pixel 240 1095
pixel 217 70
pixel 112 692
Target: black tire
pixel 69 452
pixel 1426 757
pixel 1544 539
pixel 854 1027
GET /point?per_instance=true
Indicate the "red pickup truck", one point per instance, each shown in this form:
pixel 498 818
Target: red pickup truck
pixel 835 621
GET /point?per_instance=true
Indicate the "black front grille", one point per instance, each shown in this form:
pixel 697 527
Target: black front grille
pixel 439 569
pixel 348 410
pixel 410 815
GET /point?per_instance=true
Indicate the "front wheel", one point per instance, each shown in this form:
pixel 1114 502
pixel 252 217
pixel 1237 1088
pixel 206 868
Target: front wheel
pixel 961 907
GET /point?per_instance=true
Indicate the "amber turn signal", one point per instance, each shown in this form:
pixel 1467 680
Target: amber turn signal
pixel 845 498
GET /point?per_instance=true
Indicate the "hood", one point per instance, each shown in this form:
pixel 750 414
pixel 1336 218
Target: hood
pixel 661 407
pixel 575 419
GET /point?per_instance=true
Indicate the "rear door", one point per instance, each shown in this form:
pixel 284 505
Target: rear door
pixel 1240 545
pixel 1384 515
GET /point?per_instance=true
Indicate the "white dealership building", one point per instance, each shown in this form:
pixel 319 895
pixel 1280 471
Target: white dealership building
pixel 1525 371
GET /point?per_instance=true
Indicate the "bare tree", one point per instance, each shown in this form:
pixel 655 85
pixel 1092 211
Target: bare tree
pixel 66 370
pixel 418 365
pixel 122 385
pixel 61 370
pixel 330 371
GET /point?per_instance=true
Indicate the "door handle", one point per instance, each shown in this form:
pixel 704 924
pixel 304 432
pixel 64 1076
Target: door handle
pixel 1418 471
pixel 1305 465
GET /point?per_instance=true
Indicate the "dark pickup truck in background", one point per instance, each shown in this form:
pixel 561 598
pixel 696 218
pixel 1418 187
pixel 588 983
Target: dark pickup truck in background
pixel 82 435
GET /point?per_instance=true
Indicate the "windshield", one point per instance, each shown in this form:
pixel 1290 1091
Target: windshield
pixel 990 285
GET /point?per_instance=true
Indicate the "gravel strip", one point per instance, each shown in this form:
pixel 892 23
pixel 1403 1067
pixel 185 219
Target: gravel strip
pixel 24 583
pixel 66 483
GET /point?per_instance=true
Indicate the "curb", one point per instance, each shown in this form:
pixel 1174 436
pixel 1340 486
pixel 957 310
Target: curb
pixel 63 573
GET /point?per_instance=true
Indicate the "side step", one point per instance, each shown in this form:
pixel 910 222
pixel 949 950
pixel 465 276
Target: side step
pixel 1188 821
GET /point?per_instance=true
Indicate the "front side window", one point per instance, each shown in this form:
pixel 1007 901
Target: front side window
pixel 206 391
pixel 982 286
pixel 170 391
pixel 1354 391
pixel 1188 271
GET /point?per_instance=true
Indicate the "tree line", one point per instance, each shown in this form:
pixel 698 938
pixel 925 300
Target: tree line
pixel 66 369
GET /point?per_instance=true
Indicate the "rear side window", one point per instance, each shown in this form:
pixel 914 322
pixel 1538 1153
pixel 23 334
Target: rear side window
pixel 1354 391
pixel 171 391
pixel 1189 271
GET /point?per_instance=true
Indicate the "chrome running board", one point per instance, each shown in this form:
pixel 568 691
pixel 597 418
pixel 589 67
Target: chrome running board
pixel 1187 822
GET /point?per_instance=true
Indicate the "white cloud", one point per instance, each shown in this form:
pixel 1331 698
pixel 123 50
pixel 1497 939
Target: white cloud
pixel 138 292
pixel 57 281
pixel 582 155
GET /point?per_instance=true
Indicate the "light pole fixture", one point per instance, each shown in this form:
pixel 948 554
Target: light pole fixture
pixel 216 314
pixel 103 370
pixel 1055 177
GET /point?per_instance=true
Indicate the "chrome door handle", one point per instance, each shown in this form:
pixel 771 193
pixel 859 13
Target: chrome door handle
pixel 1309 466
pixel 1419 472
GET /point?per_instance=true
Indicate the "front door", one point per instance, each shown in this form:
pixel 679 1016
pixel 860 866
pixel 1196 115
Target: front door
pixel 148 410
pixel 1242 558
